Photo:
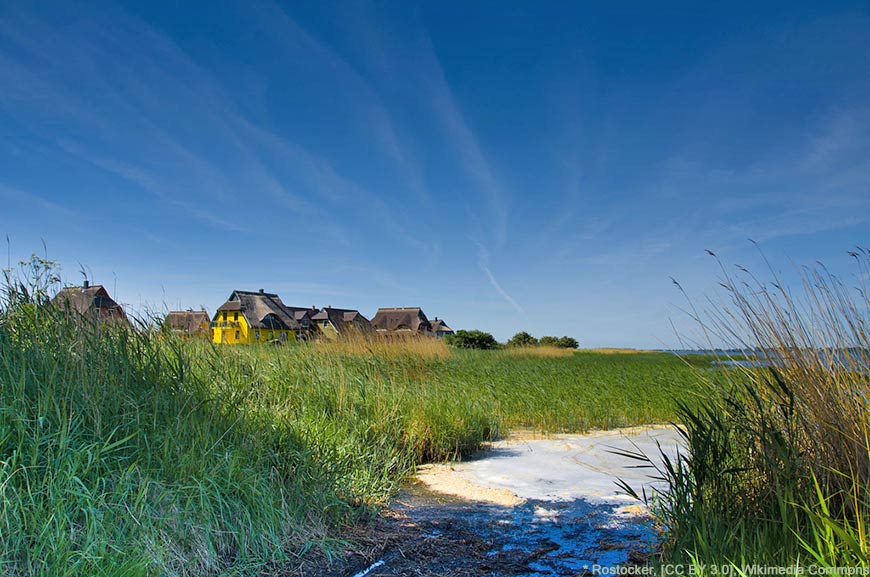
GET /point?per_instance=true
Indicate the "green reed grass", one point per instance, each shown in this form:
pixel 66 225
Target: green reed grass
pixel 126 451
pixel 778 464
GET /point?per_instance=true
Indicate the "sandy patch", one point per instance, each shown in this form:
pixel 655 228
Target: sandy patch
pixel 566 467
pixel 442 478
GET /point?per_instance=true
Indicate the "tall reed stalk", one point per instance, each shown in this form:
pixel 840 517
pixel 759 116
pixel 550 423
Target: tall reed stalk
pixel 778 461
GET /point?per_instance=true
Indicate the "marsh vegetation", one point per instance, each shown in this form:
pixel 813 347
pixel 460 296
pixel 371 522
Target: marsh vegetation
pixel 131 451
pixel 778 468
pixel 128 451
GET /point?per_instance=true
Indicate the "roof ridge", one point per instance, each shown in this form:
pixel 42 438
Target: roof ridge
pixel 81 288
pixel 254 293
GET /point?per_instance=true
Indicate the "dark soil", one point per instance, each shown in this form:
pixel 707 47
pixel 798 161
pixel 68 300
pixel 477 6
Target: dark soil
pixel 429 535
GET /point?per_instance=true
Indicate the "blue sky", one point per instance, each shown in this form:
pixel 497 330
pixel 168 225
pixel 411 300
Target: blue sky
pixel 507 166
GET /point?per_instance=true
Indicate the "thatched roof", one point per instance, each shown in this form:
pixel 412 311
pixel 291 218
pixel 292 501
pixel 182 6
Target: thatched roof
pixel 89 300
pixel 300 313
pixel 439 326
pixel 261 310
pixel 342 318
pixel 411 319
pixel 188 322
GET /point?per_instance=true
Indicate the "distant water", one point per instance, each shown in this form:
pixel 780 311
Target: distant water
pixel 854 359
pixel 718 352
pixel 751 364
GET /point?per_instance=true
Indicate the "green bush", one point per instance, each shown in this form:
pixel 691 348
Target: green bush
pixel 472 340
pixel 522 339
pixel 561 342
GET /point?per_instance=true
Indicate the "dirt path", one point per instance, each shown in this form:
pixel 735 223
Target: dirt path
pixel 538 507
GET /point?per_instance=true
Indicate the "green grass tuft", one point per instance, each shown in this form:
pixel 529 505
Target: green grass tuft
pixel 778 467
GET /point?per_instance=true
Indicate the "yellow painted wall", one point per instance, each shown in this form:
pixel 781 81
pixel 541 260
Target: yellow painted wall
pixel 327 331
pixel 231 328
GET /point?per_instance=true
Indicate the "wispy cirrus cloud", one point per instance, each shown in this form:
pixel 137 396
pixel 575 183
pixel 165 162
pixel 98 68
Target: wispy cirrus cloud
pixel 483 263
pixel 464 141
pixel 19 195
pixel 96 101
pixel 193 148
pixel 149 183
pixel 374 114
pixel 337 190
pixel 816 183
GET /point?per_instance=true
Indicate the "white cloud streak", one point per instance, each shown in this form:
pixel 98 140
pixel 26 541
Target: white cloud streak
pixel 37 201
pixel 483 263
pixel 121 71
pixel 817 184
pixel 464 141
pixel 374 113
pixel 149 183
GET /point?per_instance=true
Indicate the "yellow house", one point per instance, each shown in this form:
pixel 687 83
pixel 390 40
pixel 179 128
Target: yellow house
pixel 254 317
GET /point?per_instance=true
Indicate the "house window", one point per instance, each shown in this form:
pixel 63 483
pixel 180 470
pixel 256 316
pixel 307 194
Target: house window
pixel 225 315
pixel 237 335
pixel 256 335
pixel 235 316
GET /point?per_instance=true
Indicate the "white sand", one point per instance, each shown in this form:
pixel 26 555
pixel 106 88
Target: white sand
pixel 557 468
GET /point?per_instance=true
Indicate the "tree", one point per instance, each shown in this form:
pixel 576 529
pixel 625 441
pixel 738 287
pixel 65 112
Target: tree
pixel 561 342
pixel 522 339
pixel 472 340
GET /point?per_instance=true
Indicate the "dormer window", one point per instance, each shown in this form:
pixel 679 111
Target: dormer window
pixel 270 321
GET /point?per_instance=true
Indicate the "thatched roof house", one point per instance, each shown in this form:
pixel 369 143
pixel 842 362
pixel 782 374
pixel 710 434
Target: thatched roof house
pixel 89 301
pixel 261 310
pixel 188 323
pixel 440 328
pixel 405 320
pixel 254 317
pixel 304 317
